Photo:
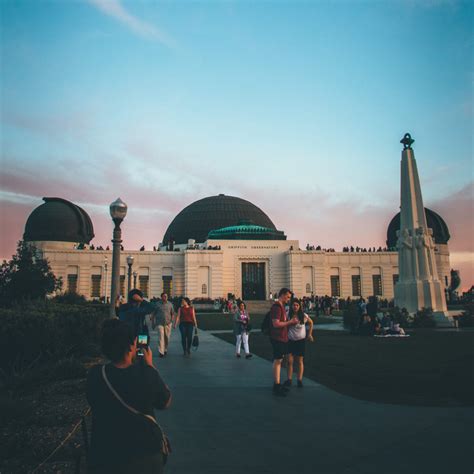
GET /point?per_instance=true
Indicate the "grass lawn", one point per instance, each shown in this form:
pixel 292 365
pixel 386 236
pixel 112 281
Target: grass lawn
pixel 429 368
pixel 220 321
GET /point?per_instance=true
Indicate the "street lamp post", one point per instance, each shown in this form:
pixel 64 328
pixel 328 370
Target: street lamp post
pixel 135 279
pixel 129 263
pixel 118 211
pixel 105 279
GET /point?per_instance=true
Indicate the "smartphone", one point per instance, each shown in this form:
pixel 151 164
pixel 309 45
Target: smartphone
pixel 143 341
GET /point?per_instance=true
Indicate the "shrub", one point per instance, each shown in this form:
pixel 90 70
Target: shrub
pixel 466 320
pixel 70 298
pixel 33 334
pixel 203 301
pixel 424 318
pixel 400 316
pixel 26 276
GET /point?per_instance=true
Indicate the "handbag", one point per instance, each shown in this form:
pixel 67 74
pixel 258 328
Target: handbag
pixel 195 342
pixel 165 442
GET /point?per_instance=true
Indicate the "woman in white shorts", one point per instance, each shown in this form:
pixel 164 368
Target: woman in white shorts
pixel 297 335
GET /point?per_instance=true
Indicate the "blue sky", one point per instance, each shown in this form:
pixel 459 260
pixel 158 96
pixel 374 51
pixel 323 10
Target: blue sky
pixel 296 106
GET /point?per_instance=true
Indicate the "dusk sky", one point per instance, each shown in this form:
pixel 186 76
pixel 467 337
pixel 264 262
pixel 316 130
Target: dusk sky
pixel 295 106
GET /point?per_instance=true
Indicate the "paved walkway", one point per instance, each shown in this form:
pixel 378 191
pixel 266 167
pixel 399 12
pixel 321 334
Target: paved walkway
pixel 224 419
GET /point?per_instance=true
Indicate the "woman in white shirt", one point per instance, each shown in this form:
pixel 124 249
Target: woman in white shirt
pixel 297 335
pixel 241 330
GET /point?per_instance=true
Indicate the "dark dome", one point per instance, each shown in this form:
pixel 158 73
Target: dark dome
pixel 59 220
pixel 434 221
pixel 199 218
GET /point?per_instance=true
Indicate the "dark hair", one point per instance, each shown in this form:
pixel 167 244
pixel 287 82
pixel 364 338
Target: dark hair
pixel 300 312
pixel 116 338
pixel 283 291
pixel 135 291
pixel 164 293
pixel 185 298
pixel 241 302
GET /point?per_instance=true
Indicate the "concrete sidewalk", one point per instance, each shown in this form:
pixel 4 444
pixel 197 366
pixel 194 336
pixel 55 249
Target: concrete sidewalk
pixel 224 419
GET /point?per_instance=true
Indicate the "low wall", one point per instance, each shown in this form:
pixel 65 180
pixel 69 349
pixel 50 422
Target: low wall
pixel 204 307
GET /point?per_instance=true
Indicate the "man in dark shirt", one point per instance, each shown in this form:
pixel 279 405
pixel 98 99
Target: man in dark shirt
pixel 123 441
pixel 134 312
pixel 279 337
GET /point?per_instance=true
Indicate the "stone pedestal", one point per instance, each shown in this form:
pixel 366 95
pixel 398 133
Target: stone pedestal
pixel 418 285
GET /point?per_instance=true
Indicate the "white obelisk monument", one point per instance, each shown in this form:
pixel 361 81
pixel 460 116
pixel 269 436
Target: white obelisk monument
pixel 418 285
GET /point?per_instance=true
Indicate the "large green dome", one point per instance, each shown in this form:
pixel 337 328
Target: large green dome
pixel 246 231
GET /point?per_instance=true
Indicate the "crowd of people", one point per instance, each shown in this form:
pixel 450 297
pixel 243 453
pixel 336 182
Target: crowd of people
pixel 318 247
pixel 370 322
pixel 171 247
pixel 129 391
pixel 350 248
pixel 326 305
pixel 83 246
pixel 203 247
pixel 365 249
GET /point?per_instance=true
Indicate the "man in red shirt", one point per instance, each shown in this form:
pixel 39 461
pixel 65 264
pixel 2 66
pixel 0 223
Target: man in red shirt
pixel 279 337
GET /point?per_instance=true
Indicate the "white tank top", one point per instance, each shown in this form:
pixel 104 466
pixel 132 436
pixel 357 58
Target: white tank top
pixel 298 331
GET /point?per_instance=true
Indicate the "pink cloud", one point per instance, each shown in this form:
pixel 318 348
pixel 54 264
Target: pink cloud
pixel 308 215
pixel 13 217
pixel 27 182
pixel 458 212
pixel 57 126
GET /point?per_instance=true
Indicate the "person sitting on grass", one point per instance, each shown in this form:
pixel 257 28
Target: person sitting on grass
pixel 378 329
pixel 123 441
pixel 397 330
pixel 366 327
pixel 386 322
pixel 297 336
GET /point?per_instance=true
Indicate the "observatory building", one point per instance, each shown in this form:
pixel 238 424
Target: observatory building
pixel 216 246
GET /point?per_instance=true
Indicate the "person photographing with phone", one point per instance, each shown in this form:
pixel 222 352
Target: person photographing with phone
pixel 123 395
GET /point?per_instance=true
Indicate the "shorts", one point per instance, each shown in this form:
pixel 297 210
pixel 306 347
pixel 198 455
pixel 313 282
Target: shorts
pixel 297 348
pixel 280 349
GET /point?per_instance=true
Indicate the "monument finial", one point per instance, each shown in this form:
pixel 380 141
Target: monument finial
pixel 407 141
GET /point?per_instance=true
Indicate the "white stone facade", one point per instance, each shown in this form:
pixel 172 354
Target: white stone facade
pixel 215 273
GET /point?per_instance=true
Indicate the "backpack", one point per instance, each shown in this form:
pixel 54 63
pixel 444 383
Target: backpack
pixel 267 323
